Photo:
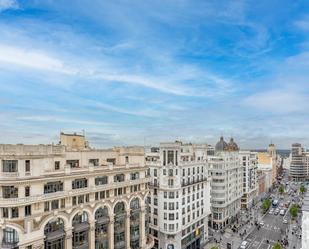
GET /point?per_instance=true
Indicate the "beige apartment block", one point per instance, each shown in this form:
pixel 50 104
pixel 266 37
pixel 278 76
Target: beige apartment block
pixel 54 196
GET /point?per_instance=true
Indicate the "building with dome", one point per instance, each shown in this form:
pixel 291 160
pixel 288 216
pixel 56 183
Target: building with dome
pixel 226 184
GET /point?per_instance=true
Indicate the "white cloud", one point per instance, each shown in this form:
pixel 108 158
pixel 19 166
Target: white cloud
pixel 303 24
pixel 8 4
pixel 33 59
pixel 143 112
pixel 278 101
pixel 38 118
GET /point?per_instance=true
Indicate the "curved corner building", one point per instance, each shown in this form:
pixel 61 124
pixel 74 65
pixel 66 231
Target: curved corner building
pixel 71 197
pixel 299 167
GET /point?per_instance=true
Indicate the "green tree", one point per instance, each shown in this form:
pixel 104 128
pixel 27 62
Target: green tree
pixel 302 189
pixel 294 211
pixel 214 247
pixel 277 246
pixel 266 205
pixel 281 189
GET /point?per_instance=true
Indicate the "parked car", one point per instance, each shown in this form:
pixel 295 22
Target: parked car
pixel 262 223
pixel 285 221
pixel 244 244
pixel 282 212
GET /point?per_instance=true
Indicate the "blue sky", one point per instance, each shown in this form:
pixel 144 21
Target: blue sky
pixel 135 72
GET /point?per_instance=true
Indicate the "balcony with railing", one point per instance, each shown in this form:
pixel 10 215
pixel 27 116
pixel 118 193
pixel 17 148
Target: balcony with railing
pixel 190 182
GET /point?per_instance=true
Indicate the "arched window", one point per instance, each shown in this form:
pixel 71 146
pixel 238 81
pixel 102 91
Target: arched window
pixel 80 218
pixel 54 234
pixel 80 231
pixel 135 204
pixel 10 236
pixel 119 208
pixel 101 212
pixel 54 225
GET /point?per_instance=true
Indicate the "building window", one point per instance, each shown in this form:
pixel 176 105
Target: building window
pixel 10 236
pixel 155 172
pixel 27 166
pixel 134 176
pixel 95 162
pixel 127 159
pixel 155 211
pixel 57 165
pixel 171 217
pixel 111 160
pixel 170 182
pixel 55 204
pixel 164 157
pixel 9 165
pixel 170 172
pixel 46 206
pixel 170 156
pixel 155 221
pixel 101 180
pixel 15 212
pixel 9 192
pixel 119 178
pixel 52 187
pixel 73 163
pixel 27 191
pixel 5 212
pixel 62 203
pixel 80 183
pixel 28 210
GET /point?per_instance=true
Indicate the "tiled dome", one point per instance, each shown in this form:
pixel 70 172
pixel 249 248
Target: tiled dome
pixel 221 145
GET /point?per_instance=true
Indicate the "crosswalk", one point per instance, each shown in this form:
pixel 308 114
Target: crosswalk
pixel 271 227
pixel 259 243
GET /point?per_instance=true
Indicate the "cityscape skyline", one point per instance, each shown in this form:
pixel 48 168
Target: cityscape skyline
pixel 134 74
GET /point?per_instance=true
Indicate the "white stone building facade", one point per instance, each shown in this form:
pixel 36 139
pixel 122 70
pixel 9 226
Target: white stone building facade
pixel 249 163
pixel 51 197
pixel 179 195
pixel 226 185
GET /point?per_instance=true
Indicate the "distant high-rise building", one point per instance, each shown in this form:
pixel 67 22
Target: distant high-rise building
pixel 179 195
pixel 299 167
pixel 227 183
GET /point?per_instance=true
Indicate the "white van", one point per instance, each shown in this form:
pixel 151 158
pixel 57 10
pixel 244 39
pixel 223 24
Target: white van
pixel 282 212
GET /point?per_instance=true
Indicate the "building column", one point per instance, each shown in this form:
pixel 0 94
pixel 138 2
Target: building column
pixel 92 235
pixel 127 230
pixel 142 228
pixel 111 232
pixel 68 238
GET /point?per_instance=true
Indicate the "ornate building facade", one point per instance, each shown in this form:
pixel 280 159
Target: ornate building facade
pixel 179 195
pixel 226 184
pixel 55 196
